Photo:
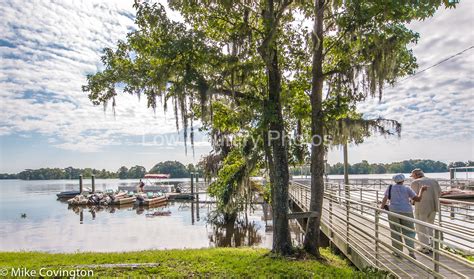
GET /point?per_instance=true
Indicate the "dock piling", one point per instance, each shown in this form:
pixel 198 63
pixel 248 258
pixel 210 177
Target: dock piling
pixel 93 183
pixel 192 184
pixel 80 184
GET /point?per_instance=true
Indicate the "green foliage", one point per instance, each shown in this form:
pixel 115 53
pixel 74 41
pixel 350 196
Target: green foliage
pixel 461 164
pixel 174 168
pixel 209 263
pixel 224 118
pixel 136 172
pixel 397 167
pixel 123 172
pixel 230 182
pixel 366 46
pixel 67 173
pixel 8 176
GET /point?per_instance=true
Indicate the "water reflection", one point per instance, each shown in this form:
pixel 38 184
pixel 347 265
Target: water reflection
pixel 93 210
pixel 54 226
pixel 240 233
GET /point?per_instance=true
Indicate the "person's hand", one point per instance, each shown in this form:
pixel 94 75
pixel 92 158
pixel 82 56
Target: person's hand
pixel 424 188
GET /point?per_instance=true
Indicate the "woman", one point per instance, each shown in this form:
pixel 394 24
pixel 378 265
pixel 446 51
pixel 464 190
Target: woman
pixel 399 196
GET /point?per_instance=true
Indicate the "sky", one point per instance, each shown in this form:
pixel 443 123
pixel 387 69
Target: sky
pixel 48 47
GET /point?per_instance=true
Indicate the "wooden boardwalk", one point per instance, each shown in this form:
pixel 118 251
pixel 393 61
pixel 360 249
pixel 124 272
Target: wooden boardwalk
pixel 362 233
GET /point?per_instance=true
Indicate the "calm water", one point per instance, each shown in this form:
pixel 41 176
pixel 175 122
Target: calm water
pixel 51 225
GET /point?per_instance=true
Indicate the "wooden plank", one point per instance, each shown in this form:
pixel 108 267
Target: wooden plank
pixel 301 215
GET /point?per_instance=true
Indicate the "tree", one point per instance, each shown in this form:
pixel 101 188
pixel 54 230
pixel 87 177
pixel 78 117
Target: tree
pixel 357 47
pixel 136 172
pixel 231 62
pixel 123 172
pixel 242 68
pixel 174 168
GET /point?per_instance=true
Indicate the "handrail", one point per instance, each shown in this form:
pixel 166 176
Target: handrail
pixel 432 226
pixel 349 212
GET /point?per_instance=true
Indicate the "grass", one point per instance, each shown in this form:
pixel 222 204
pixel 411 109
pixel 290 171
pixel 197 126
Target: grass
pixel 460 253
pixel 216 262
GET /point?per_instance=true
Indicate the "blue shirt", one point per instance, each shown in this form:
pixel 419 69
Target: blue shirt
pixel 400 198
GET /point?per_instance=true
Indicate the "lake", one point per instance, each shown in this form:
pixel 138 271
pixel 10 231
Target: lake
pixel 53 226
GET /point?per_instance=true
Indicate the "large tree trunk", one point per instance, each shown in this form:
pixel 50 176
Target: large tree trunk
pixel 311 241
pixel 278 159
pixel 281 233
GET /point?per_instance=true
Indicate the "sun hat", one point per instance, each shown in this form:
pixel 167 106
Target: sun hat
pixel 398 178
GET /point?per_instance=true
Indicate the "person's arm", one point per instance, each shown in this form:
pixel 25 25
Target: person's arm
pixel 385 198
pixel 418 197
pixel 384 202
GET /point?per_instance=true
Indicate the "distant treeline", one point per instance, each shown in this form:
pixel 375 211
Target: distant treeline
pixel 178 170
pixel 406 166
pixel 174 168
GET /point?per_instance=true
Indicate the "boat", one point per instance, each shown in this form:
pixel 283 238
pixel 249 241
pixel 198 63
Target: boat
pixel 71 194
pixel 156 176
pixel 457 194
pixel 155 200
pixel 179 196
pixel 67 194
pixel 153 183
pixel 123 200
pixel 151 198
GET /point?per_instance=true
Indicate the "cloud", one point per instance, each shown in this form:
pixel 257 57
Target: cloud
pixel 47 49
pixel 438 103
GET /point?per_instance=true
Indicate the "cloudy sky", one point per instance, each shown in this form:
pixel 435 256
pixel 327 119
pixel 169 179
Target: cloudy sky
pixel 48 47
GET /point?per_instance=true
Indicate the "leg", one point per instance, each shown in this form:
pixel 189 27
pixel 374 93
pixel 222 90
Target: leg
pixel 394 228
pixel 409 233
pixel 430 219
pixel 421 230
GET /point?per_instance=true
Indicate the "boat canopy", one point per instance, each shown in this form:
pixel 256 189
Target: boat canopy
pixel 157 175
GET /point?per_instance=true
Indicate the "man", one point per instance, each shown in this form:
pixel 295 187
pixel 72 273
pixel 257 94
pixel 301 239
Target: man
pixel 140 187
pixel 426 208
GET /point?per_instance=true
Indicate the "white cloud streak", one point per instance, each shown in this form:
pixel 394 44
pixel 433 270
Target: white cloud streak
pixel 51 47
pixel 48 47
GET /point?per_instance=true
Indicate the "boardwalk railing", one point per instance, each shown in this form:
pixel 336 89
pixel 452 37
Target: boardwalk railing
pixel 457 215
pixel 365 233
pixel 380 183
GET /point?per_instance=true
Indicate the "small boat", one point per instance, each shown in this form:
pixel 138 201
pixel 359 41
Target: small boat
pixel 179 196
pixel 151 198
pixel 78 200
pixel 123 200
pixel 72 194
pixel 67 194
pixel 155 200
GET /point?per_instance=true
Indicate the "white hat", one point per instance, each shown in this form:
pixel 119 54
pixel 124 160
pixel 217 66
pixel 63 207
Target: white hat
pixel 398 178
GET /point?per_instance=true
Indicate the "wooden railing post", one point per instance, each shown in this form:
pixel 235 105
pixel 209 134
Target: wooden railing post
pixel 436 250
pixel 347 194
pixel 330 218
pixel 376 231
pixel 440 222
